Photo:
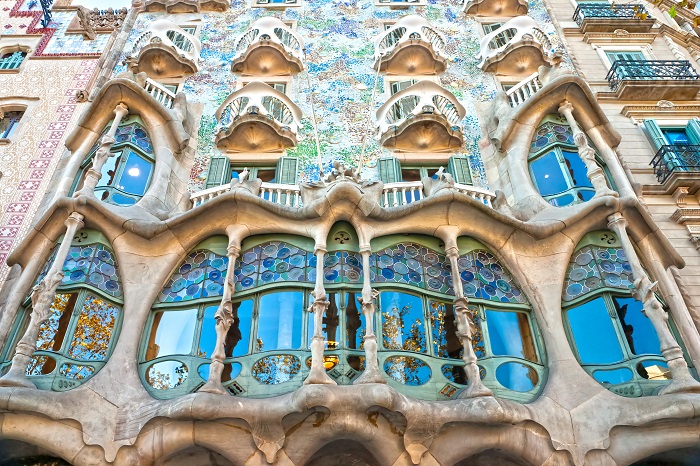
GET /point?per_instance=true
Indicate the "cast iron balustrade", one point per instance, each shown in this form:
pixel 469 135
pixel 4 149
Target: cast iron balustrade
pixel 269 47
pixel 604 17
pixel 676 158
pixel 257 118
pixel 165 50
pixel 411 46
pixel 518 47
pixel 422 118
pixel 12 61
pixel 654 79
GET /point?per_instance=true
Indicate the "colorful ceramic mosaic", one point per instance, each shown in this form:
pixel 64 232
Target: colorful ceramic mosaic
pixel 92 264
pixel 339 65
pixel 483 277
pixel 412 264
pixel 200 275
pixel 594 267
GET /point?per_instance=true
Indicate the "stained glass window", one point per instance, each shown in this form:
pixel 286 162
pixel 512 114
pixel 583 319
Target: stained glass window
pixel 200 275
pixel 593 267
pixel 412 264
pixel 484 277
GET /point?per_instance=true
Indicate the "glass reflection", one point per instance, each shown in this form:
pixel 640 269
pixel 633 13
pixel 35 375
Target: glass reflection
pixel 166 374
pixel 517 376
pixel 638 329
pixel 53 331
pixel 279 321
pixel 509 334
pixel 613 376
pixel 330 324
pixel 93 331
pixel 272 370
pixel 548 175
pixel 444 331
pixel 354 322
pixel 407 370
pixel 402 322
pixel 238 336
pixel 172 333
pixel 594 334
pixel 654 370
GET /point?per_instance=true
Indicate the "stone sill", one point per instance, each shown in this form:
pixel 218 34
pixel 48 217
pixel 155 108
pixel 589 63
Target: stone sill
pixel 4 141
pixel 690 180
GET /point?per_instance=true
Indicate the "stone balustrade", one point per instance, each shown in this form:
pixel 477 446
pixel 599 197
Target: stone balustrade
pixel 165 50
pixel 269 47
pixel 411 46
pixel 160 93
pixel 525 89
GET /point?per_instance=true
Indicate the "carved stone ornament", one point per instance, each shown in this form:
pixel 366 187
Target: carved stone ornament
pixel 81 96
pixel 621 32
pixel 665 104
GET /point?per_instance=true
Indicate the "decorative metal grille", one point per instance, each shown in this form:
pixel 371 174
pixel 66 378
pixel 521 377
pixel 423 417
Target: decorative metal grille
pixel 607 11
pixel 650 70
pixel 46 6
pixel 675 158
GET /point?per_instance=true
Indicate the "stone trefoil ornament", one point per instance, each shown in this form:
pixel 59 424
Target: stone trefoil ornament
pixel 42 297
pixel 645 292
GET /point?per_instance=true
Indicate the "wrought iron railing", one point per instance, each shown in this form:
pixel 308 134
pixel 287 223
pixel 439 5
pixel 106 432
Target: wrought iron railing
pixel 607 11
pixel 650 70
pixel 12 61
pixel 675 158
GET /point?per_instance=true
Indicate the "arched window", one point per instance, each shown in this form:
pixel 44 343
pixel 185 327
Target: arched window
pixel 78 338
pixel 126 174
pixel 611 336
pixel 419 346
pixel 556 169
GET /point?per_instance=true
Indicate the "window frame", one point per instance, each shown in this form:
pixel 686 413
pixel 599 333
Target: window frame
pixel 276 6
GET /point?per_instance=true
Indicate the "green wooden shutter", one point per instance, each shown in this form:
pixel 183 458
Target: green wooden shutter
pixel 693 130
pixel 217 172
pixel 287 170
pixel 389 170
pixel 458 167
pixel 656 136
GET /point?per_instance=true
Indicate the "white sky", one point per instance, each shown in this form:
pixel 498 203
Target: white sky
pixel 102 4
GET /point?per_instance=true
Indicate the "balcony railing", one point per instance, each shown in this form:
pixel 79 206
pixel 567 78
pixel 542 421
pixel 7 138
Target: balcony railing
pixel 270 31
pixel 160 93
pixel 163 35
pixel 520 30
pixel 408 31
pixel 406 192
pixel 524 90
pixel 650 70
pixel 282 194
pixel 12 61
pixel 608 11
pixel 675 158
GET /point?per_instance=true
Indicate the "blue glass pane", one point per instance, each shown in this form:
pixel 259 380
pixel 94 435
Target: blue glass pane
pixel 562 201
pixel 134 178
pixel 548 174
pixel 509 334
pixel 354 322
pixel 330 326
pixel 594 334
pixel 516 376
pixel 613 376
pixel 676 136
pixel 407 370
pixel 654 370
pixel 280 319
pixel 639 331
pixel 402 322
pixel 272 370
pixel 577 169
pixel 172 333
pixel 109 171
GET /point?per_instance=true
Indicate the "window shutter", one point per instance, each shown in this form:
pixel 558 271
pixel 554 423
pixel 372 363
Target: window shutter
pixel 389 170
pixel 654 133
pixel 458 167
pixel 287 170
pixel 693 130
pixel 217 172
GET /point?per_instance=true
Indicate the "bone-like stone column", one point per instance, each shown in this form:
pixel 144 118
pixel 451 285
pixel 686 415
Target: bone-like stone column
pixel 42 297
pixel 317 374
pixel 644 290
pixel 224 319
pixel 465 330
pixel 587 153
pixel 94 173
pixel 369 295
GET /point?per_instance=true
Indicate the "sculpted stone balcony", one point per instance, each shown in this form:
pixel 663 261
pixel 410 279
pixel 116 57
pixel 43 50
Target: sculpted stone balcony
pixel 422 118
pixel 518 47
pixel 257 118
pixel 269 48
pixel 184 6
pixel 604 17
pixel 653 80
pixel 165 51
pixel 677 165
pixel 411 46
pixel 495 7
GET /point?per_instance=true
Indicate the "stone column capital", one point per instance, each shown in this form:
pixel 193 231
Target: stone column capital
pixel 121 110
pixel 74 221
pixel 565 107
pixel 320 249
pixel 617 222
pixel 233 251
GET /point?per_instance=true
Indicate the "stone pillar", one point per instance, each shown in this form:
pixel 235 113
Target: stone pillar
pixel 42 297
pixel 224 320
pixel 94 173
pixel 369 295
pixel 587 153
pixel 644 291
pixel 317 374
pixel 465 328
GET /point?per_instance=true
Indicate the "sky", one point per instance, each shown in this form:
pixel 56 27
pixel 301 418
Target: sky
pixel 102 4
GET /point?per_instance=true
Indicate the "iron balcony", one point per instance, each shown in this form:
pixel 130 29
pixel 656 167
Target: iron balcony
pixel 653 80
pixel 604 17
pixel 677 159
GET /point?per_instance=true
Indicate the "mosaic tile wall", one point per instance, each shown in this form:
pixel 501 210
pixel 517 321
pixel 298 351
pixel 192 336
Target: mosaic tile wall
pixel 339 40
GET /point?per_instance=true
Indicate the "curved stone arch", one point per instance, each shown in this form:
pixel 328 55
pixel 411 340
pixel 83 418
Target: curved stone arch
pixel 634 445
pixel 86 312
pixel 349 451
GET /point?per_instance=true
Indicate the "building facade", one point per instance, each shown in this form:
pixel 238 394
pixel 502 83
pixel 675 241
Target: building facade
pixel 374 232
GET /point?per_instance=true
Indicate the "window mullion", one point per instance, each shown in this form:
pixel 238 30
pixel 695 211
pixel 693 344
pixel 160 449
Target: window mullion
pixel 617 325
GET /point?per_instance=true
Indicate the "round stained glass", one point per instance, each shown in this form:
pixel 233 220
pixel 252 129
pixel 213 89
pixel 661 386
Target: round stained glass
pixel 496 268
pixel 214 289
pixel 397 254
pixel 603 254
pixel 331 275
pixel 431 258
pixel 464 263
pixel 331 260
pixel 217 263
pixel 574 289
pixel 385 261
pixel 433 271
pixel 295 274
pixel 490 290
pixel 297 260
pixel 584 259
pixel 486 275
pixel 196 275
pixel 467 276
pixel 621 254
pixel 388 273
pixel 412 251
pixel 434 283
pixel 77 275
pixel 86 252
pixel 413 264
pixel 626 267
pixel 140 133
pixel 353 261
pixel 503 285
pixel 592 283
pixel 215 275
pixel 482 256
pixel 607 266
pixel 199 258
pixel 249 257
pixel 248 270
pixel 112 285
pixel 104 255
pixel 178 285
pixel 270 250
pixel 267 276
pixel 612 280
pixel 269 262
pixel 83 264
pixel 578 274
pixel 246 282
pixel 107 269
pixel 414 277
pixel 192 289
pixel 283 253
pixel 281 267
pixel 353 274
pixel 185 268
pixel 96 278
pixel 470 289
pixel 400 268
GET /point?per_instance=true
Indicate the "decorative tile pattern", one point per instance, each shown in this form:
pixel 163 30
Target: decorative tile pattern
pixel 594 267
pixel 483 277
pixel 200 275
pixel 412 264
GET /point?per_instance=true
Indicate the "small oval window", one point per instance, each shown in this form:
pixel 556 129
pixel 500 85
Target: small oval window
pixel 456 374
pixel 272 370
pixel 613 376
pixel 407 370
pixel 230 372
pixel 517 376
pixel 41 365
pixel 166 374
pixel 76 372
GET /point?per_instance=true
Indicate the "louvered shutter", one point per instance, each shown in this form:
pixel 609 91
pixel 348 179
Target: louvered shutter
pixel 693 130
pixel 217 172
pixel 656 136
pixel 458 167
pixel 287 170
pixel 389 170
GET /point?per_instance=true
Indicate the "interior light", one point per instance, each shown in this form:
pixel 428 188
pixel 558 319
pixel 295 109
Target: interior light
pixel 134 171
